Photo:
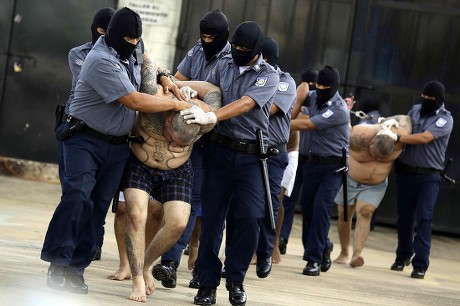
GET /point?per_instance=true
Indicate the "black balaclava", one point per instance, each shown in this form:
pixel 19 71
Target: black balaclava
pixel 214 23
pixel 125 22
pixel 249 35
pixel 271 51
pixel 328 76
pixel 310 76
pixel 432 89
pixel 101 20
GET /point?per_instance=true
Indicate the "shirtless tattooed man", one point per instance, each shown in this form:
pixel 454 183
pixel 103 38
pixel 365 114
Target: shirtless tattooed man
pixel 159 168
pixel 372 153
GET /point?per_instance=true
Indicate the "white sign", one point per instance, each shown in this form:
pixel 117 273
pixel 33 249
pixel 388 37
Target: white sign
pixel 151 13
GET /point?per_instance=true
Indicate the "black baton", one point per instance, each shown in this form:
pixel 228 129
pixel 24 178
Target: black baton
pixel 444 176
pixel 344 170
pixel 263 163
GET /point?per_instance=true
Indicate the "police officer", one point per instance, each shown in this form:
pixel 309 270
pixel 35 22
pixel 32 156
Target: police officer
pixel 278 132
pixel 196 66
pixel 306 95
pixel 76 59
pixel 329 122
pixel 232 166
pixel 418 177
pixel 95 147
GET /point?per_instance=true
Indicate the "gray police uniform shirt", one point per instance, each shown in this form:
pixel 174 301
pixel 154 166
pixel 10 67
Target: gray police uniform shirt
pixel 285 96
pixel 103 80
pixel 76 58
pixel 430 155
pixel 259 82
pixel 195 67
pixel 332 131
pixel 305 136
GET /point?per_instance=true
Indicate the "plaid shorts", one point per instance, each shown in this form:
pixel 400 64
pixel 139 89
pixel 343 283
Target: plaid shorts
pixel 162 185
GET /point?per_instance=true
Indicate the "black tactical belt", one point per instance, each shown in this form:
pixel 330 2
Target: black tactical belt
pixel 415 170
pixel 320 160
pixel 115 140
pixel 236 145
pixel 280 148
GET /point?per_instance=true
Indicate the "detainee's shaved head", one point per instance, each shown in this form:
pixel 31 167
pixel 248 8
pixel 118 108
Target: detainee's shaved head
pixel 382 146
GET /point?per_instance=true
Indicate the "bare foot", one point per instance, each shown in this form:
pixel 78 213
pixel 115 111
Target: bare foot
pixel 342 259
pixel 192 257
pixel 254 259
pixel 357 261
pixel 276 256
pixel 149 286
pixel 138 294
pixel 121 274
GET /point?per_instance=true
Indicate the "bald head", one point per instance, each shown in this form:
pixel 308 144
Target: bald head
pixel 382 146
pixel 178 132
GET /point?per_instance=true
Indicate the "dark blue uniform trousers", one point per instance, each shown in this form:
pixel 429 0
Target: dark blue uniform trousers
pixel 276 166
pixel 175 253
pixel 290 202
pixel 417 194
pixel 229 173
pixel 92 173
pixel 321 184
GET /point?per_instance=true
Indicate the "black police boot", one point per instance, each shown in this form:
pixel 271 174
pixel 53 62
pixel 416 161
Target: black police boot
pixel 282 245
pixel 236 294
pixel 311 269
pixel 205 296
pixel 399 265
pixel 75 283
pixel 418 273
pixel 264 267
pixel 326 261
pixel 194 282
pixel 166 273
pixel 56 277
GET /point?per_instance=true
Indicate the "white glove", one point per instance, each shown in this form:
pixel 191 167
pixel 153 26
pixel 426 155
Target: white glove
pixel 188 92
pixel 389 133
pixel 380 120
pixel 389 124
pixel 197 115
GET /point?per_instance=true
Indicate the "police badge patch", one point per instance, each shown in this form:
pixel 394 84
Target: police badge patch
pixel 441 122
pixel 261 81
pixel 327 113
pixel 79 62
pixel 283 86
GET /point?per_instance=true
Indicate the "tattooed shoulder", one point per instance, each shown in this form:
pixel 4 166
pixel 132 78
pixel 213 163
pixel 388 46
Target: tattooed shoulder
pixel 359 142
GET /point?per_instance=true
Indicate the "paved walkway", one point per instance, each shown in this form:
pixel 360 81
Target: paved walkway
pixel 27 206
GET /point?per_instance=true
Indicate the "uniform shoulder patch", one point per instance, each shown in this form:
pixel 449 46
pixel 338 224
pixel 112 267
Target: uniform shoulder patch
pixel 441 122
pixel 327 113
pixel 190 53
pixel 283 86
pixel 79 62
pixel 261 81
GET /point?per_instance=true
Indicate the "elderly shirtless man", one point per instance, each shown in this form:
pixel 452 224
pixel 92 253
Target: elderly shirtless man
pixel 372 153
pixel 159 168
